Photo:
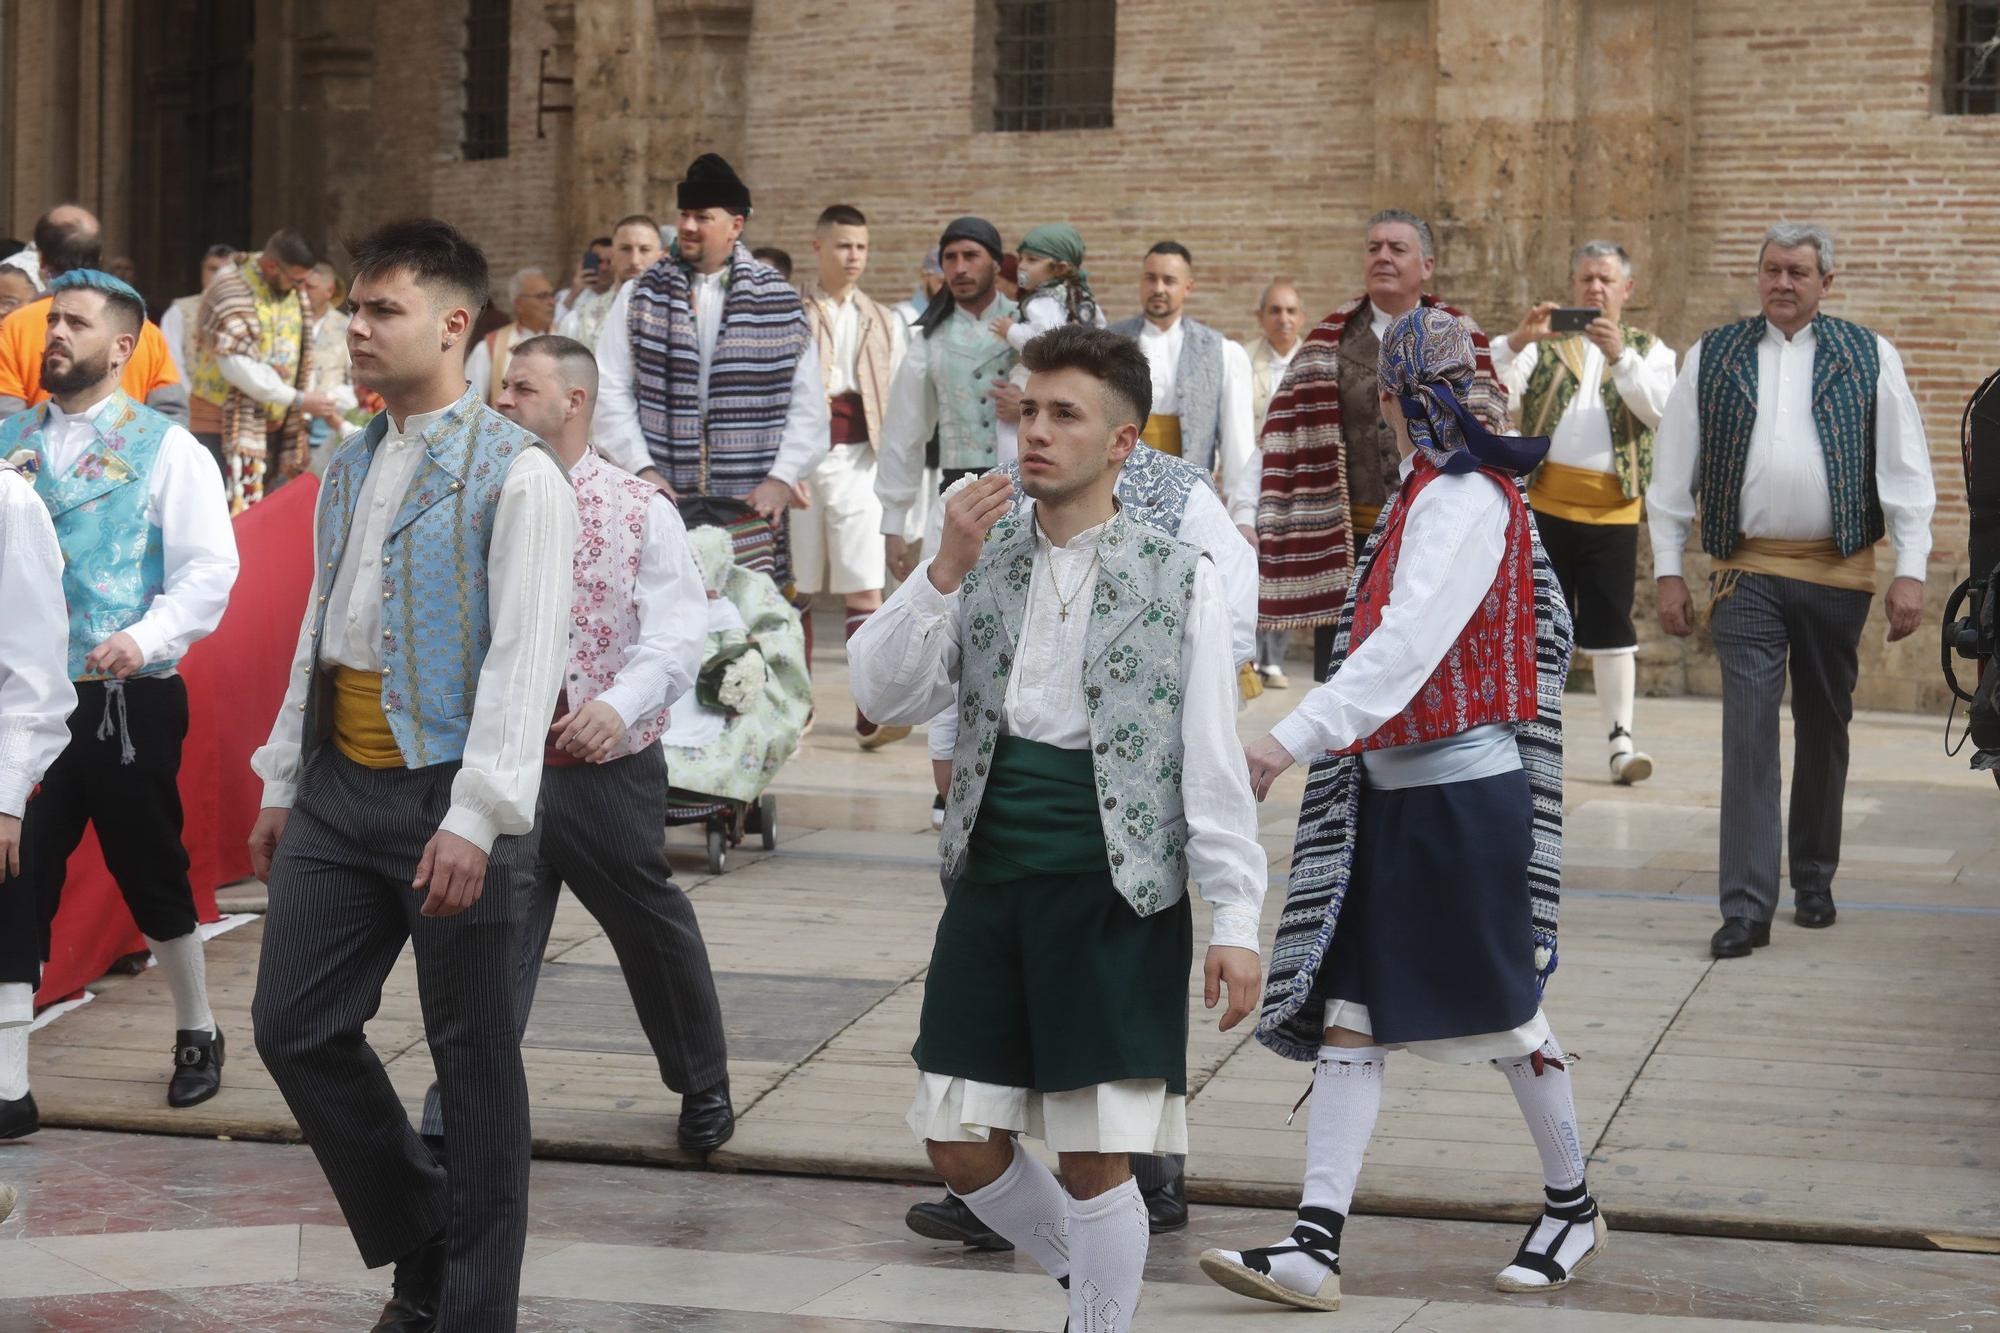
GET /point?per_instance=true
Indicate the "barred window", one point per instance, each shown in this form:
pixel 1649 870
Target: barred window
pixel 1972 58
pixel 1052 63
pixel 488 37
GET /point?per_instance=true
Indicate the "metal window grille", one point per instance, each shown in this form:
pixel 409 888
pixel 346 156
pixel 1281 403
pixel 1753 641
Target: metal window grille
pixel 488 36
pixel 1052 64
pixel 1972 58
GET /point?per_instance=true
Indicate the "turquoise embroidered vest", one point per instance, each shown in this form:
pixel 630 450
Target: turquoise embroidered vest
pixel 114 560
pixel 1132 692
pixel 436 625
pixel 1197 388
pixel 1846 362
pixel 964 360
pixel 1153 488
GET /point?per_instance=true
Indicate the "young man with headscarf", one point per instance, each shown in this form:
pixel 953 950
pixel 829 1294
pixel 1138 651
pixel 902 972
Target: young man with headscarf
pixel 1438 730
pixel 1096 772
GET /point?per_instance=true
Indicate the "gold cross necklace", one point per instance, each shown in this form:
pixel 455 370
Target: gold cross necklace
pixel 1062 602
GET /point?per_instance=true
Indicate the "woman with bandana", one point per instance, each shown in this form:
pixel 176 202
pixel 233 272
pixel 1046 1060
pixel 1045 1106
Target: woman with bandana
pixel 1438 730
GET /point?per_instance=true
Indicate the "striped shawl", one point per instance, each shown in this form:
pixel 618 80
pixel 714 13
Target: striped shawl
pixel 232 324
pixel 727 446
pixel 1305 526
pixel 1323 854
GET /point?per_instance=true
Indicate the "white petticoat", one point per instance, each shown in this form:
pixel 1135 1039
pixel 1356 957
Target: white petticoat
pixel 1353 1016
pixel 1131 1115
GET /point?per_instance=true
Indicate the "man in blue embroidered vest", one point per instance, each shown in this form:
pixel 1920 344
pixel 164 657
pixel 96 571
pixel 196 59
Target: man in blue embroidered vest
pixel 400 785
pixel 148 562
pixel 715 388
pixel 1796 438
pixel 1097 769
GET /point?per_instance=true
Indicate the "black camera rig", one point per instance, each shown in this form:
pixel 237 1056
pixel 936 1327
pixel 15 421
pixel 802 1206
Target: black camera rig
pixel 1971 627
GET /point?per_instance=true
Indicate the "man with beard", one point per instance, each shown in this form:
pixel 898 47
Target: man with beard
pixel 1330 459
pixel 148 562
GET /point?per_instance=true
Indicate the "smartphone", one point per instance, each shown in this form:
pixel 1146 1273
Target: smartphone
pixel 1572 318
pixel 590 261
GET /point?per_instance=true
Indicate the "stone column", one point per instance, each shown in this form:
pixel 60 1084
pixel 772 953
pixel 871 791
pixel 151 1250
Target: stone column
pixel 340 158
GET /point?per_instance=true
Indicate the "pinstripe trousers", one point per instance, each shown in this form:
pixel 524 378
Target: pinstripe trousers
pixel 602 834
pixel 1766 624
pixel 341 907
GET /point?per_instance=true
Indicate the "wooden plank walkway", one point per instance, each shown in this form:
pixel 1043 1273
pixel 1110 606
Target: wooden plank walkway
pixel 1841 1085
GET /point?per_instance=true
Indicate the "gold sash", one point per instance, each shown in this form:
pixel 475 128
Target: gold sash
pixel 360 727
pixel 1808 561
pixel 1364 519
pixel 1582 496
pixel 1163 432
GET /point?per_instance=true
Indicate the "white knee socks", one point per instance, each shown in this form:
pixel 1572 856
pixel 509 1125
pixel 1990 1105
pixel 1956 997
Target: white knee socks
pixel 187 977
pixel 1028 1207
pixel 1550 1110
pixel 1617 677
pixel 13 1064
pixel 17 1004
pixel 1108 1236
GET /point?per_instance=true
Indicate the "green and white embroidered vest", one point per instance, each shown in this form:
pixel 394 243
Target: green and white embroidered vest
pixel 1131 687
pixel 964 360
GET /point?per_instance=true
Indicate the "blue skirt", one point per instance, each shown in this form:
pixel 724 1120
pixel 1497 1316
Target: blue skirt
pixel 1434 934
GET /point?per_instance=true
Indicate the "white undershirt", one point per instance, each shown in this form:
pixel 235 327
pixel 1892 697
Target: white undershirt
pixel 35 691
pixel 673 621
pixel 1236 456
pixel 1582 437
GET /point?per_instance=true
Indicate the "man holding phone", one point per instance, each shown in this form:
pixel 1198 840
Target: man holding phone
pixel 1597 389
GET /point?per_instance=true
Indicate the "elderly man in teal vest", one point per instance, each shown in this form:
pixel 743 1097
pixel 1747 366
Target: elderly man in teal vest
pixel 400 782
pixel 148 559
pixel 1096 772
pixel 1795 438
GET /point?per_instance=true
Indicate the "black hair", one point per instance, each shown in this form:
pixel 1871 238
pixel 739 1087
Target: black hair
pixel 290 249
pixel 63 248
pixel 1113 359
pixel 218 251
pixel 637 220
pixel 776 258
pixel 604 241
pixel 840 215
pixel 1172 248
pixel 434 252
pixel 574 361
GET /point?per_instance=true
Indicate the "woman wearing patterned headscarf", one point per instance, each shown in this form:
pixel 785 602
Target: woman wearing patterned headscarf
pixel 1437 731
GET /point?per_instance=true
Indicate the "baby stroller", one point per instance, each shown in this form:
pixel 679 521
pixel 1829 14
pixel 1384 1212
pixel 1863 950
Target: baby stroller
pixel 727 739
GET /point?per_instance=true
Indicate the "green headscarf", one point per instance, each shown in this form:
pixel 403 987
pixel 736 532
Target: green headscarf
pixel 1058 241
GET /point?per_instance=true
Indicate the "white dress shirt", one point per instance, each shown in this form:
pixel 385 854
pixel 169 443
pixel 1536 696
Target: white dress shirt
pixel 528 588
pixel 1236 456
pixel 1785 493
pixel 843 321
pixel 1459 522
pixel 615 428
pixel 35 692
pixel 1582 436
pixel 909 421
pixel 186 502
pixel 173 327
pixel 583 318
pixel 904 665
pixel 673 621
pixel 479 365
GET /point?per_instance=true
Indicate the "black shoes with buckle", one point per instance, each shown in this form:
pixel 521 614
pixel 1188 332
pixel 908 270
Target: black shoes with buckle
pixel 950 1219
pixel 1738 936
pixel 1166 1207
pixel 707 1120
pixel 1813 910
pixel 19 1117
pixel 413 1303
pixel 197 1067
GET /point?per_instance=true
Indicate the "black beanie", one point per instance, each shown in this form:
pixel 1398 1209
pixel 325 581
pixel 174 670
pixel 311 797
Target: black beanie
pixel 713 183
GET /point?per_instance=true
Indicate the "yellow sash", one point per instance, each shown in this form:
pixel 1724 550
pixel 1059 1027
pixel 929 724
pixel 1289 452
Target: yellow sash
pixel 1810 562
pixel 1581 495
pixel 1163 432
pixel 1364 519
pixel 360 727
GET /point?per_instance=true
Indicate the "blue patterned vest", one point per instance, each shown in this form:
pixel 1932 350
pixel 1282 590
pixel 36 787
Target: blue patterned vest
pixel 1846 362
pixel 435 621
pixel 1197 387
pixel 964 360
pixel 1132 691
pixel 1153 488
pixel 114 561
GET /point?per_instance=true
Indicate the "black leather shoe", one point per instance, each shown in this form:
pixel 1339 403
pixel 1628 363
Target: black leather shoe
pixel 19 1118
pixel 197 1067
pixel 1166 1207
pixel 950 1219
pixel 413 1304
pixel 1738 936
pixel 1814 911
pixel 706 1119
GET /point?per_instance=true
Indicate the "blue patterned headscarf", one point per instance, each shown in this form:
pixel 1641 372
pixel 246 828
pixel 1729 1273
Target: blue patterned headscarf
pixel 1427 362
pixel 98 280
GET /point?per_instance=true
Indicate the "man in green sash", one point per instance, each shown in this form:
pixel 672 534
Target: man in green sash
pixel 1096 770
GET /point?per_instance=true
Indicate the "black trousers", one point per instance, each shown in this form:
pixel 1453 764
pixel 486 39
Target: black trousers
pixel 1596 565
pixel 341 907
pixel 602 835
pixel 135 807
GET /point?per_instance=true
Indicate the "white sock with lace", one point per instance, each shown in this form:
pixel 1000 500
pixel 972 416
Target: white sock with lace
pixel 1027 1205
pixel 1617 677
pixel 187 977
pixel 17 1004
pixel 1108 1236
pixel 1566 1230
pixel 13 1064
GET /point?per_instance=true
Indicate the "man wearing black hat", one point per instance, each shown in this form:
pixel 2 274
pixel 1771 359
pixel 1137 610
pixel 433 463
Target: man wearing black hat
pixel 715 389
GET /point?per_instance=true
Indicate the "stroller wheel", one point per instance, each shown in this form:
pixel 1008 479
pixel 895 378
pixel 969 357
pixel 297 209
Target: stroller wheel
pixel 767 820
pixel 718 851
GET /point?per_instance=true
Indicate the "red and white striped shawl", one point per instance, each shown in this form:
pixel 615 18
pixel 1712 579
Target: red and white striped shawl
pixel 1305 524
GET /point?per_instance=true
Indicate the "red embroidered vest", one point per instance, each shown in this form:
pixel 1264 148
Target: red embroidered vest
pixel 1488 675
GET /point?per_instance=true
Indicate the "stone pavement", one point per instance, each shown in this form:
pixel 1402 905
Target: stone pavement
pixel 1841 1085
pixel 131 1233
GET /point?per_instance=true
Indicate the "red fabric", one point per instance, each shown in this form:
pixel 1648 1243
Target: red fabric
pixel 236 681
pixel 849 419
pixel 1487 676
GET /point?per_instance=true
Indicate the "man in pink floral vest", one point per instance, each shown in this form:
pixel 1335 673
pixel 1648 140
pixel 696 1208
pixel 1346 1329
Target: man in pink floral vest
pixel 636 632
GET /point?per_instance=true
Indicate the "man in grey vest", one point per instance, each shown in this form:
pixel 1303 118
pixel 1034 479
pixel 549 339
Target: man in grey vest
pixel 1096 771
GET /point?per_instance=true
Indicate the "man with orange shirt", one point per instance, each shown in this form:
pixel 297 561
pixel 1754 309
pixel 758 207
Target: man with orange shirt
pixel 67 238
